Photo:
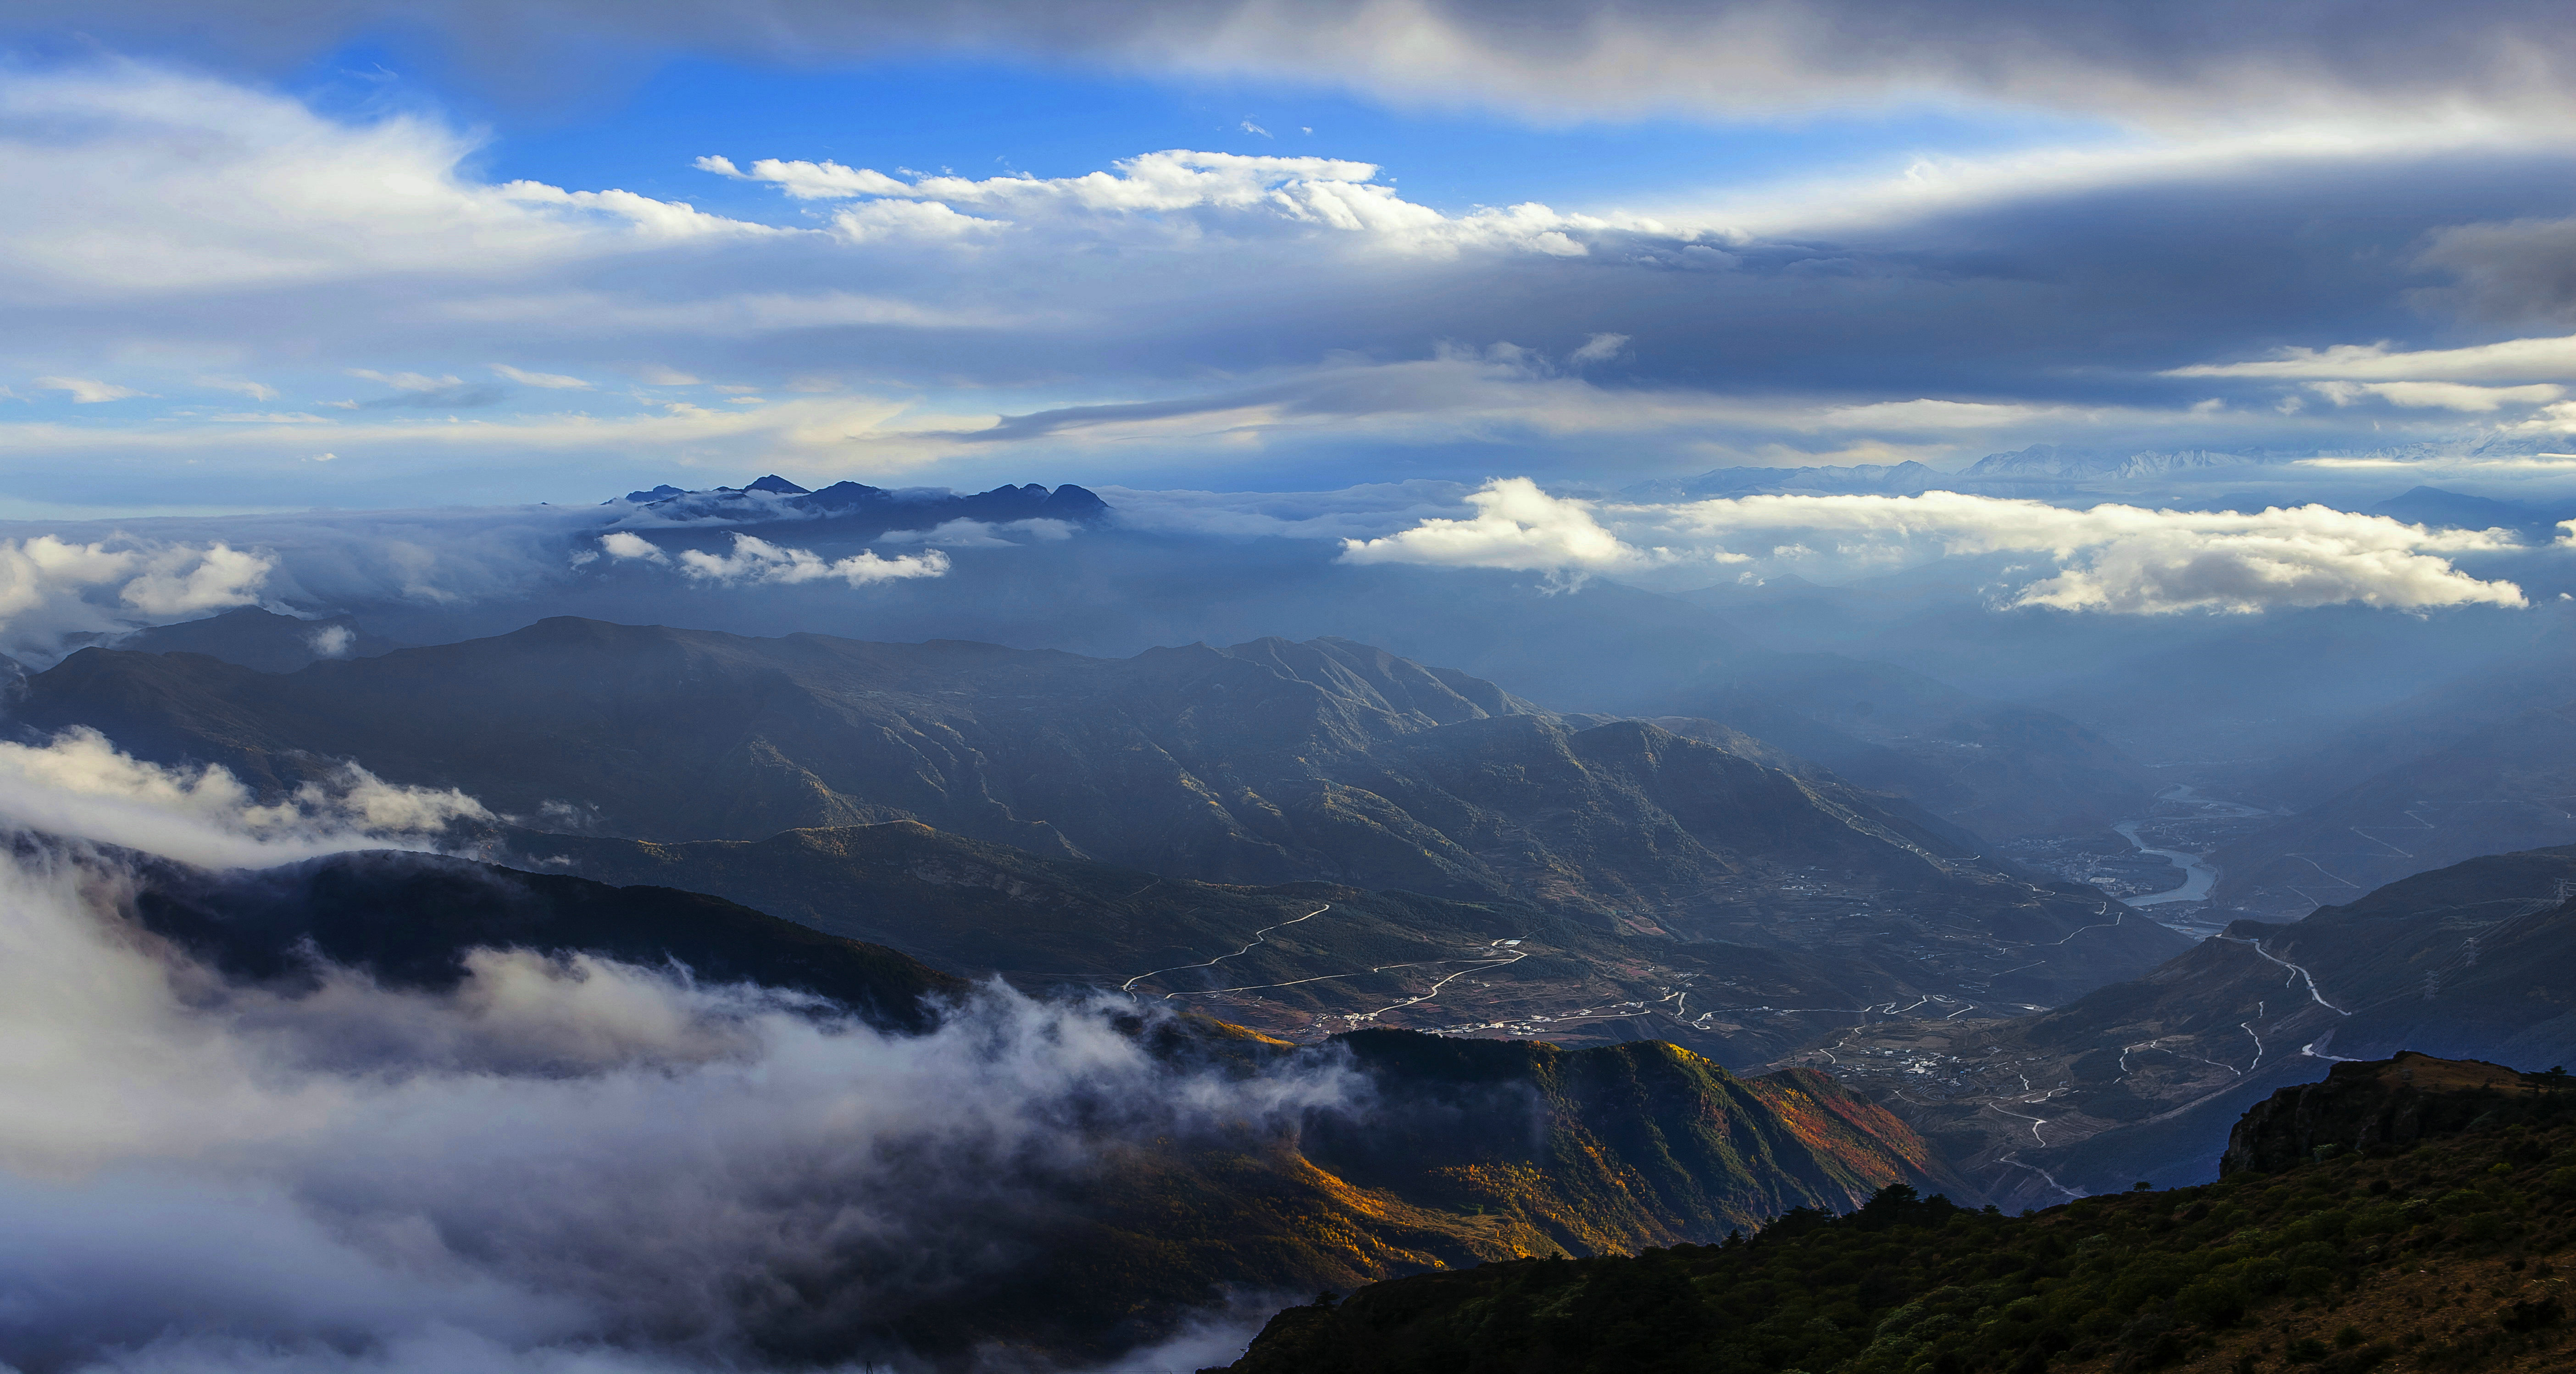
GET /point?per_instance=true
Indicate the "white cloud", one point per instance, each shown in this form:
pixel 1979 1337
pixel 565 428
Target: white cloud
pixel 257 391
pixel 331 641
pixel 407 381
pixel 550 381
pixel 569 1166
pixel 2511 360
pixel 2112 558
pixel 156 181
pixel 809 180
pixel 626 547
pixel 78 785
pixel 1516 525
pixel 1600 348
pixel 759 561
pixel 51 587
pixel 85 392
pixel 2440 395
pixel 981 534
pixel 1322 193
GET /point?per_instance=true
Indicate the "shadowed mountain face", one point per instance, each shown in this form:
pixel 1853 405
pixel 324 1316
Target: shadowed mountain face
pixel 1999 770
pixel 262 640
pixel 407 920
pixel 2140 1079
pixel 1306 960
pixel 2503 787
pixel 1439 1153
pixel 1264 763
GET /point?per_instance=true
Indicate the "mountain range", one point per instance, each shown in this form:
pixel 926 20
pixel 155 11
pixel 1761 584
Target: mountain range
pixel 1681 866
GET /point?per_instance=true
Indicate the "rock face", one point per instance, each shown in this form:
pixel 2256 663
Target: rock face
pixel 2363 1106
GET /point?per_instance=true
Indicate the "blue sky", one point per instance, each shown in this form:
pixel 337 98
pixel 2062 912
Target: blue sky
pixel 285 253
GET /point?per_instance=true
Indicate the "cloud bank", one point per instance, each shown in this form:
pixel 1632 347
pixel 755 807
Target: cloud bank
pixel 52 588
pixel 2112 558
pixel 562 1164
pixel 178 241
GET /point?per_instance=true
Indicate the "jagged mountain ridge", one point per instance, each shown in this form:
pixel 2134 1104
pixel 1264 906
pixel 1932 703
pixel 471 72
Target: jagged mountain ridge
pixel 845 507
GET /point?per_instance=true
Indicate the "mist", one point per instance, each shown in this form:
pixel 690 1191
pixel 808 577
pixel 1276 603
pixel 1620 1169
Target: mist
pixel 561 1164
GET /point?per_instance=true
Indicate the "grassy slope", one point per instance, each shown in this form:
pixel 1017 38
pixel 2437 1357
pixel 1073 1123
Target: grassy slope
pixel 2433 1258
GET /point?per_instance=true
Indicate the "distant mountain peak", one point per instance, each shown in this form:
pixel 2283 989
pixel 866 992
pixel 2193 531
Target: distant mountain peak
pixel 857 503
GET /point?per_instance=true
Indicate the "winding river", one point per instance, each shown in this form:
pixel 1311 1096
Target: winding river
pixel 2198 876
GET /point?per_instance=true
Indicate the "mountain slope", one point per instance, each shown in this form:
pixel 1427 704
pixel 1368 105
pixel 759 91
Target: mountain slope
pixel 2140 1079
pixel 1438 1153
pixel 1769 973
pixel 408 919
pixel 1267 762
pixel 2510 785
pixel 2339 1265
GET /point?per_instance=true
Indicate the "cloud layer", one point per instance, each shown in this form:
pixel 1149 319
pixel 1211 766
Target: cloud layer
pixel 181 241
pixel 2111 558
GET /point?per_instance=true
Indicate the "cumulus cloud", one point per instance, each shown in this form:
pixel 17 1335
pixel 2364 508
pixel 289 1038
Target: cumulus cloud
pixel 51 588
pixel 756 560
pixel 625 546
pixel 1516 525
pixel 2111 558
pixel 1318 192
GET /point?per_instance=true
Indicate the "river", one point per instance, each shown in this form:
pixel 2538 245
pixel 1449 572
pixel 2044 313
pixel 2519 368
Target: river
pixel 2198 874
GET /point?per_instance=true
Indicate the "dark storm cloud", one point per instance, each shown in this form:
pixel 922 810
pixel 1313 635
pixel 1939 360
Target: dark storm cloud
pixel 2175 60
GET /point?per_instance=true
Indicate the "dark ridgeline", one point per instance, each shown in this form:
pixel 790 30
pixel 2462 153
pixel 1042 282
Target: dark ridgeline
pixel 2426 1247
pixel 407 920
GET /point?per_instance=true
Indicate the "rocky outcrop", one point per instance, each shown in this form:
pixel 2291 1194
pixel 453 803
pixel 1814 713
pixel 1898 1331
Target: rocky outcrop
pixel 2384 1104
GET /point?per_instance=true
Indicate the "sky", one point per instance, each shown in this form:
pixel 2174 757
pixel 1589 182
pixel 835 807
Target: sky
pixel 287 254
